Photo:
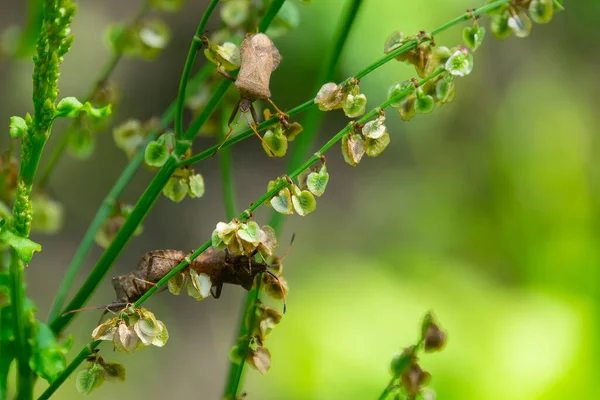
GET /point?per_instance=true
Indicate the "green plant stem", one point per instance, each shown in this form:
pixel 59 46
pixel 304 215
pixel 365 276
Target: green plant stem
pixel 310 123
pixel 115 192
pixel 146 201
pixel 17 291
pixel 104 75
pixel 366 71
pixel 388 389
pixel 189 64
pixel 226 167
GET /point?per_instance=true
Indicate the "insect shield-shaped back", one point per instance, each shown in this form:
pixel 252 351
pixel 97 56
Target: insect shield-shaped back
pixel 259 58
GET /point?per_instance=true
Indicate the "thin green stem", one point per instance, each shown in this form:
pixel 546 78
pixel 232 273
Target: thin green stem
pixel 388 389
pixel 99 83
pixel 17 291
pixel 366 71
pixel 226 167
pixel 107 204
pixel 144 204
pixel 189 64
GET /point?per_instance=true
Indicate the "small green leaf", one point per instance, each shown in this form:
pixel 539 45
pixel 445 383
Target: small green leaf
pixel 304 203
pixel 316 182
pixel 69 107
pixel 175 189
pixel 156 154
pixel 282 202
pixel 394 41
pixel 277 142
pixel 24 247
pixel 17 127
pixel 250 232
pixel 354 105
pixel 374 147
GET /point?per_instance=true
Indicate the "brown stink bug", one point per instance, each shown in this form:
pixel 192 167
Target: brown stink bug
pixel 259 58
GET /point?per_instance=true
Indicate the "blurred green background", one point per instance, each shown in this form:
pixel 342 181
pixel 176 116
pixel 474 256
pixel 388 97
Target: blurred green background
pixel 485 211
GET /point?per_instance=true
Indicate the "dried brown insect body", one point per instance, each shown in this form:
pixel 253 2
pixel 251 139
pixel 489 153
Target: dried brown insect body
pixel 259 58
pixel 221 266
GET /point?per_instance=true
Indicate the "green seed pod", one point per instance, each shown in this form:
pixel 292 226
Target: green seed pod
pixel 287 18
pixel 541 11
pixel 374 147
pixel 353 148
pixel 196 186
pixel 396 90
pixel 49 214
pixel 154 35
pixel 316 182
pixel 234 13
pixel 282 202
pixel 407 108
pixel 520 23
pixel 354 105
pixel 473 36
pixel 89 379
pixel 460 63
pixel 330 97
pixel 445 89
pixel 227 56
pixel 394 41
pixel 156 154
pixel 401 362
pixel 17 127
pixel 304 202
pixel 424 103
pixel 175 189
pixel 277 142
pixel 114 371
pixel 374 128
pixel 499 26
pixel 80 143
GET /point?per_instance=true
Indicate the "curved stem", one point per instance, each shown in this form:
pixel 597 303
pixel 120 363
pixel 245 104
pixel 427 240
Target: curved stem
pixel 104 75
pixel 115 192
pixel 366 71
pixel 143 206
pixel 189 64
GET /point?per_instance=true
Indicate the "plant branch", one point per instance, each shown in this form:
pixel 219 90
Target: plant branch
pixel 189 64
pixel 104 75
pixel 107 204
pixel 366 71
pixel 145 203
pixel 388 389
pixel 244 216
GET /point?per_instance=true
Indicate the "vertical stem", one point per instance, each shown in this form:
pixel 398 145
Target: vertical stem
pixel 388 389
pixel 17 291
pixel 187 68
pixel 226 164
pixel 310 124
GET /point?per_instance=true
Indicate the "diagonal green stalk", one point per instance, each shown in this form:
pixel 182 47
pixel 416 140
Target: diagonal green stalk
pixel 310 124
pixel 361 74
pixel 105 73
pixel 226 167
pixel 149 196
pixel 107 204
pixel 388 389
pixel 244 216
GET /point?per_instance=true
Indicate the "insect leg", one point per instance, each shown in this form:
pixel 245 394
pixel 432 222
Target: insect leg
pixel 225 74
pixel 218 288
pixel 253 127
pixel 231 118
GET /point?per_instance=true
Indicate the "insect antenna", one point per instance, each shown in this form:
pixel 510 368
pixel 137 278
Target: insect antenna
pixel 231 129
pixel 286 252
pixel 105 306
pixel 280 287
